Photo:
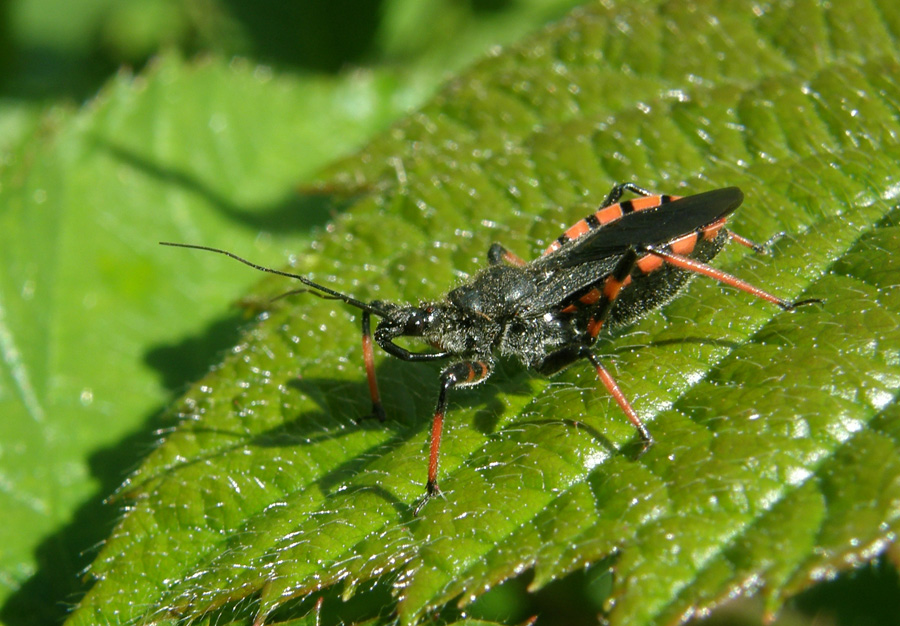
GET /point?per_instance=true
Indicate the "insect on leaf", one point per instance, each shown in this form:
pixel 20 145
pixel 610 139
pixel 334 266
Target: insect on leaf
pixel 776 461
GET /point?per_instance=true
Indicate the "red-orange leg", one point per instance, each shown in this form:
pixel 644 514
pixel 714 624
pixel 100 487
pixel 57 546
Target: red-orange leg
pixel 761 248
pixel 746 242
pixel 693 265
pixel 437 428
pixel 369 359
pixel 610 383
pixel 621 276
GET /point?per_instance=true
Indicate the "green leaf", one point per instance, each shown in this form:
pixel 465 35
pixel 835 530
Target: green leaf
pixel 776 461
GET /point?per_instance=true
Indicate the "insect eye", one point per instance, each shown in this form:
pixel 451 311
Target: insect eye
pixel 417 321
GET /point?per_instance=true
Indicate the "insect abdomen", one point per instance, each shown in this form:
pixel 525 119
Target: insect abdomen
pixel 655 282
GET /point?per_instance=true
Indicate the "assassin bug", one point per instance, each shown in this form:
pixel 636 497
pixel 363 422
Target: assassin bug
pixel 605 271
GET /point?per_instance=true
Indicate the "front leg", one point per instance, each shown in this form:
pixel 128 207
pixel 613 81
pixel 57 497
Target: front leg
pixel 461 374
pixel 369 359
pixel 394 350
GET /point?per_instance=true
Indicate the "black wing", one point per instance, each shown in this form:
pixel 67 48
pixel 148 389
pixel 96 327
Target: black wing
pixel 592 257
pixel 553 287
pixel 648 227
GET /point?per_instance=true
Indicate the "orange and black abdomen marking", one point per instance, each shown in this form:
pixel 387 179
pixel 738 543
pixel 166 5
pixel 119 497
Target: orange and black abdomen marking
pixel 685 245
pixel 655 281
pixel 646 283
pixel 595 302
pixel 609 290
pixel 606 215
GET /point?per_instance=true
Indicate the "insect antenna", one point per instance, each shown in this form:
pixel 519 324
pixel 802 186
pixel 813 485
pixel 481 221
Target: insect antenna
pixel 314 288
pixel 294 292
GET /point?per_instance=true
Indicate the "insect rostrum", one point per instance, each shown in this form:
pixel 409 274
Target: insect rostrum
pixel 605 271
